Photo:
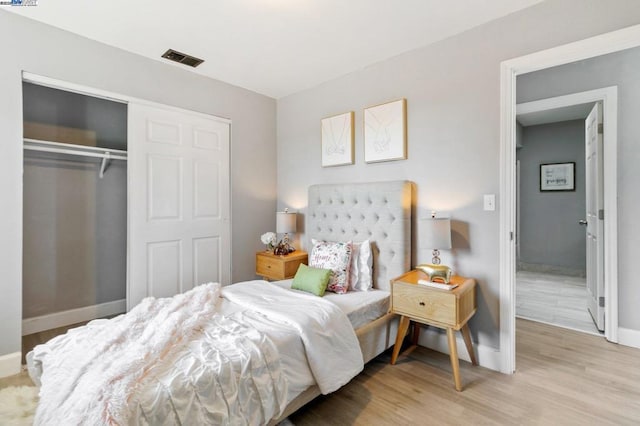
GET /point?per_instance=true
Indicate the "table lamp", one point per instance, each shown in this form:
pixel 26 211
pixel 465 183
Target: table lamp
pixel 285 224
pixel 435 233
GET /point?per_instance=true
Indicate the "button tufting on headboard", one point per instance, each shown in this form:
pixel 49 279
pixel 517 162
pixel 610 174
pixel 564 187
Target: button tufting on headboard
pixel 380 212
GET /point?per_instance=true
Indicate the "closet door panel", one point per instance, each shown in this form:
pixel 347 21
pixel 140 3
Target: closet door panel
pixel 179 201
pixel 206 260
pixel 165 187
pixel 206 199
pixel 164 276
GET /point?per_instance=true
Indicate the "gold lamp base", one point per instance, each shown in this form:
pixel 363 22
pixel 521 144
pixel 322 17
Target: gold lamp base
pixel 436 272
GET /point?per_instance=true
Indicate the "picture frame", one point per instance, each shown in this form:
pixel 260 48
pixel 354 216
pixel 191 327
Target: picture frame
pixel 385 132
pixel 558 177
pixel 337 140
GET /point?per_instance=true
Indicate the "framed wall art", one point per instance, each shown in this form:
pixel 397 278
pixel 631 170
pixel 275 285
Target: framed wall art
pixel 385 132
pixel 337 140
pixel 558 177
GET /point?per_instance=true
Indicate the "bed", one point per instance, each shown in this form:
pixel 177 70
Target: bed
pixel 379 212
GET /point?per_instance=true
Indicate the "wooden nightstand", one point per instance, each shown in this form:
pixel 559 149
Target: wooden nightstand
pixel 277 267
pixel 447 309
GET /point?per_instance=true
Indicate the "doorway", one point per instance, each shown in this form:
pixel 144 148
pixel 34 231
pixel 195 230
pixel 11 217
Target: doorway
pixel 571 55
pixel 559 244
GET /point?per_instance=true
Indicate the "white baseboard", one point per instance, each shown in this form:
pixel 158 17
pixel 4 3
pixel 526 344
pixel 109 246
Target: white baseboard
pixel 487 356
pixel 72 316
pixel 629 337
pixel 10 364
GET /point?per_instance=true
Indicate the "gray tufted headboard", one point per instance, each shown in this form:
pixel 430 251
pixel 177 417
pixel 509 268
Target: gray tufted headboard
pixel 379 211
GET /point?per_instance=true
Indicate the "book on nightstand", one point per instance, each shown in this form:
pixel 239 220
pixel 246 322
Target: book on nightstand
pixel 441 286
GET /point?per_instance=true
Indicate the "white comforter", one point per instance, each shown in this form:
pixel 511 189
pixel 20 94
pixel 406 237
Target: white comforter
pixel 331 344
pixel 199 368
pixel 168 361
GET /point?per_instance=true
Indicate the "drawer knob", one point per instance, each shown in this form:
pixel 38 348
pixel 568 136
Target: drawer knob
pixel 421 303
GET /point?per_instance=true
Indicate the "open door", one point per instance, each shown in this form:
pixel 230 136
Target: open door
pixel 179 230
pixel 595 215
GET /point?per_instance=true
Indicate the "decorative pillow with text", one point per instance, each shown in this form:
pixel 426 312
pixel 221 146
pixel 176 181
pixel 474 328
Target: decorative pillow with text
pixel 334 256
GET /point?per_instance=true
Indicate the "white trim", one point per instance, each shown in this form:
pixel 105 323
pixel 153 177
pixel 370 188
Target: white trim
pixel 10 364
pixel 487 357
pixel 609 98
pixel 104 94
pixel 72 316
pixel 566 327
pixel 595 46
pixel 629 337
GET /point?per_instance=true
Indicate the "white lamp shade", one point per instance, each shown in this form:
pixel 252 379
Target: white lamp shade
pixel 285 222
pixel 435 233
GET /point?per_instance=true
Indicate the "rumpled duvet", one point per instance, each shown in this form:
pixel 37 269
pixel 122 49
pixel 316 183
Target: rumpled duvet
pixel 168 361
pixel 331 344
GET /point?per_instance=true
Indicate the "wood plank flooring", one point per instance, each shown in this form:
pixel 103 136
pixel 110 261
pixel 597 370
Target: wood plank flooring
pixel 554 299
pixel 563 377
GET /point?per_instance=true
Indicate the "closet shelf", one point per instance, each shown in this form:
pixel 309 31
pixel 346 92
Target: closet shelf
pixel 106 154
pixel 70 149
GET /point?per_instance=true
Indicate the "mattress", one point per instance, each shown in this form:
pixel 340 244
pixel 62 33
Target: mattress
pixel 361 307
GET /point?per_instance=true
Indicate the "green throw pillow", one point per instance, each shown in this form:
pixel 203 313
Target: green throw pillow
pixel 311 280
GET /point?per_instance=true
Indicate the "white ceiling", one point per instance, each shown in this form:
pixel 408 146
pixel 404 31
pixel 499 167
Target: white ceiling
pixel 274 47
pixel 573 112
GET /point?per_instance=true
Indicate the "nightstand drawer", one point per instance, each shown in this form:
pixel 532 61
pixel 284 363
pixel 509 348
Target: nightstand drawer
pixel 279 267
pixel 411 300
pixel 270 267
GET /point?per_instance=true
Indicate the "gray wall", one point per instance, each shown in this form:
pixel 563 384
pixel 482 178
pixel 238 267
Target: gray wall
pixel 43 50
pixel 452 91
pixel 620 69
pixel 75 234
pixel 549 231
pixel 74 240
pixel 52 107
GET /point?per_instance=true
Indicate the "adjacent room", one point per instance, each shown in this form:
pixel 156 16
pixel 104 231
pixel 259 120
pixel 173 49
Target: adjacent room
pixel 319 212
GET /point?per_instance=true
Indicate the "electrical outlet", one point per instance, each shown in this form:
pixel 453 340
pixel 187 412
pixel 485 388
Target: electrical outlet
pixel 489 202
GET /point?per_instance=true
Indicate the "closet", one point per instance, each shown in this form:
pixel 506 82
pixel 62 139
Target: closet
pixel 122 199
pixel 74 206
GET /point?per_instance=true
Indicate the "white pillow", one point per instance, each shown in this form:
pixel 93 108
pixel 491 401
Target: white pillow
pixel 361 268
pixel 361 277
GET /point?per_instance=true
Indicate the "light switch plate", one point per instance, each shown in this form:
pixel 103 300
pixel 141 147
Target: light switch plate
pixel 490 202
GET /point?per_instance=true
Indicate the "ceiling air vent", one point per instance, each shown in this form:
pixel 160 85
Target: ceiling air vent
pixel 182 58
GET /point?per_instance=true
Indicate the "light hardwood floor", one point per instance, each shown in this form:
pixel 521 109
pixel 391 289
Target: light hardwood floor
pixel 554 299
pixel 563 378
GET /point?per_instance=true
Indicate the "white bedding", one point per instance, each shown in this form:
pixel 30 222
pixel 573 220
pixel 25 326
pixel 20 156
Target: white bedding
pixel 361 307
pixel 331 344
pixel 181 388
pixel 168 361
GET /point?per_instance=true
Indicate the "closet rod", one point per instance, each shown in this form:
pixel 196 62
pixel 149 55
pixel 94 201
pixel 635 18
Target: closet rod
pixel 78 150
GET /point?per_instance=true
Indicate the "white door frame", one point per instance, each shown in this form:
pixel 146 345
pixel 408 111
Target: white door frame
pixel 608 96
pixel 596 46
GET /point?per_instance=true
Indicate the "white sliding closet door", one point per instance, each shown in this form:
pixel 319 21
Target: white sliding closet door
pixel 179 202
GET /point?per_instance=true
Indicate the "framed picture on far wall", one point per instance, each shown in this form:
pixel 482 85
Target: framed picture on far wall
pixel 558 177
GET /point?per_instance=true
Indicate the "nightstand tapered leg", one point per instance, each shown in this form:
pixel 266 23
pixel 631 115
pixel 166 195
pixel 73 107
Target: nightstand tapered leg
pixel 453 354
pixel 468 343
pixel 416 333
pixel 402 331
